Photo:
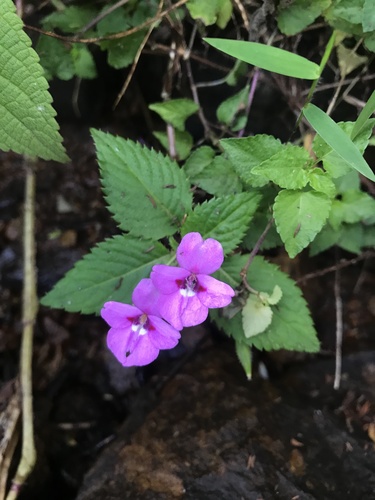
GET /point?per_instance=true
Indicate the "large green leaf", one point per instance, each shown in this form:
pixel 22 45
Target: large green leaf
pixel 27 120
pixel 291 326
pixel 336 138
pixel 288 168
pixel 249 152
pixel 214 174
pixel 299 216
pixel 147 192
pixel 225 219
pixel 267 57
pixel 109 272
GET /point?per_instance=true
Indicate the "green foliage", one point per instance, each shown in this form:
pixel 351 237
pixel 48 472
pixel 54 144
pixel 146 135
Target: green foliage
pixel 27 118
pixel 175 111
pixel 299 216
pixel 249 152
pixel 337 139
pixel 225 219
pixel 214 174
pixel 183 142
pixel 363 118
pixel 214 11
pixel 231 111
pixel 288 168
pixel 109 272
pixel 257 312
pixel 243 352
pixel 146 192
pixel 294 17
pixel 268 57
pixel 291 326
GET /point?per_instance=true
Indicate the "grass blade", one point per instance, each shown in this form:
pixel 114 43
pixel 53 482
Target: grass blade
pixel 364 115
pixel 267 57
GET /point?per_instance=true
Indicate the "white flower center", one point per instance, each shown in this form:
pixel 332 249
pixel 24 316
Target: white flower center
pixel 140 325
pixel 190 286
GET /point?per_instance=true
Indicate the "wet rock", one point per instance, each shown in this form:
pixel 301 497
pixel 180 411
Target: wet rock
pixel 213 435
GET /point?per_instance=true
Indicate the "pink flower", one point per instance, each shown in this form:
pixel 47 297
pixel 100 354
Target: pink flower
pixel 137 333
pixel 187 292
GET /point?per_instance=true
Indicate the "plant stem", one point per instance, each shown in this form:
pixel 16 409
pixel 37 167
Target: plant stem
pixel 29 310
pixel 253 253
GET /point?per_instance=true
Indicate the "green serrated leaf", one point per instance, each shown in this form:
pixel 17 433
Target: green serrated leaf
pixel 353 206
pixel 56 58
pixel 183 142
pixel 249 152
pixel 243 352
pixel 287 168
pixel 27 119
pixel 147 192
pixel 70 19
pixel 214 11
pixel 297 15
pixel 291 327
pixel 337 139
pixel 225 219
pixel 268 57
pixel 321 181
pixel 256 316
pixel 215 175
pixel 175 111
pixel 83 61
pixel 368 16
pixel 299 216
pixel 109 272
pixel 231 269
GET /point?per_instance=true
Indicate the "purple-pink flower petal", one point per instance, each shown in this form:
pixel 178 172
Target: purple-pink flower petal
pixel 214 293
pixel 117 314
pixel 199 256
pixel 146 297
pixel 168 279
pixel 163 336
pixel 182 311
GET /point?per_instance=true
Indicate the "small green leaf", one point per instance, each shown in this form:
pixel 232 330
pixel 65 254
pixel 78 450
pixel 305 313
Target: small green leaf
pixel 287 168
pixel 249 152
pixel 70 19
pixel 147 192
pixel 109 272
pixel 297 15
pixel 275 296
pixel 243 352
pixel 56 58
pixel 364 115
pixel 27 119
pixel 83 61
pixel 229 110
pixel 256 316
pixel 214 11
pixel 299 216
pixel 354 206
pixel 183 142
pixel 321 181
pixel 175 111
pixel 215 175
pixel 225 219
pixel 267 57
pixel 239 69
pixel 368 16
pixel 333 135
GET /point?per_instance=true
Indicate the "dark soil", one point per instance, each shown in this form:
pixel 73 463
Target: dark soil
pixel 190 425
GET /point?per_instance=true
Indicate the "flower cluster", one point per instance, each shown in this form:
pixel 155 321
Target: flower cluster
pixel 172 298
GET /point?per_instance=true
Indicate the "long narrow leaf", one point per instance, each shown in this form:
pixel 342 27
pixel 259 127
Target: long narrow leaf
pixel 364 115
pixel 337 139
pixel 267 57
